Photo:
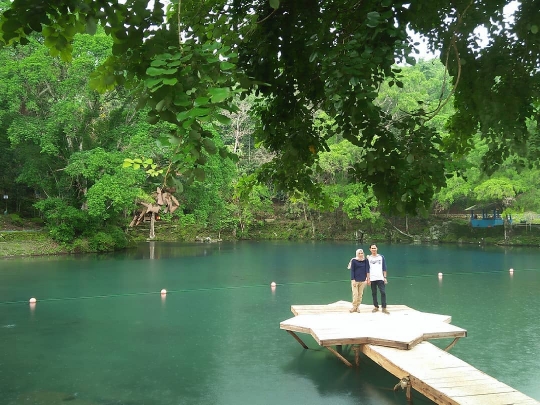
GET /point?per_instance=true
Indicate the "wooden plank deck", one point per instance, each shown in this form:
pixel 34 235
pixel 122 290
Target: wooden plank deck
pixel 444 378
pixel 404 328
pixel 398 342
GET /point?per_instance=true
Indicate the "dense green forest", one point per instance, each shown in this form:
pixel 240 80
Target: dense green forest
pixel 89 132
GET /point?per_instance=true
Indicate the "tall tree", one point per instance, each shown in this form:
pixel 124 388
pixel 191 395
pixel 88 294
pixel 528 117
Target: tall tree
pixel 70 140
pixel 188 59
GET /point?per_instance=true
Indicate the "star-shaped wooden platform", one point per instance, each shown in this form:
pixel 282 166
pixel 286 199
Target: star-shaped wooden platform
pixel 403 328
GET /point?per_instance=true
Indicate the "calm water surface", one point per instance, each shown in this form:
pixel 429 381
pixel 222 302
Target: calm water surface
pixel 102 334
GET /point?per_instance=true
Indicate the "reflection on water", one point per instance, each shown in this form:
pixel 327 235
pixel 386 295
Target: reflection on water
pixel 101 332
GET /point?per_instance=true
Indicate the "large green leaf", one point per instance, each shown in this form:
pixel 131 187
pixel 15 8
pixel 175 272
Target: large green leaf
pixel 274 4
pixel 222 119
pixel 170 82
pixel 198 112
pixel 219 94
pixel 154 81
pixel 182 100
pixel 154 71
pixel 227 65
pixel 201 101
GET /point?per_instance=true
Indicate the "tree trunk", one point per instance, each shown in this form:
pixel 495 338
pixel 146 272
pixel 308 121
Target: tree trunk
pixel 407 223
pixel 152 230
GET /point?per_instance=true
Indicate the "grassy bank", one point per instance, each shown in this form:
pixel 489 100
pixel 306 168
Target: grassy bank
pixel 28 243
pixel 26 238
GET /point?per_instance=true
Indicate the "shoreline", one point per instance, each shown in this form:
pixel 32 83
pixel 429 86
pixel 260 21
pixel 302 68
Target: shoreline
pixel 35 243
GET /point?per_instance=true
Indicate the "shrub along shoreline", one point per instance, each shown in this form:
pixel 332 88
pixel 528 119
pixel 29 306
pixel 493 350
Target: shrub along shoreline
pixel 20 241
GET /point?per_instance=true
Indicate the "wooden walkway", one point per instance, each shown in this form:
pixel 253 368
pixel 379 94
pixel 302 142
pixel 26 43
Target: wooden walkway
pixel 398 342
pixel 444 378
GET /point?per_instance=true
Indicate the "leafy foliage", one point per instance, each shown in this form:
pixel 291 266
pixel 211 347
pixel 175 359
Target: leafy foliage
pixel 110 239
pixel 64 222
pixel 188 59
pixel 307 95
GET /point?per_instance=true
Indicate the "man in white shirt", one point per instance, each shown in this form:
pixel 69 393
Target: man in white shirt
pixel 377 270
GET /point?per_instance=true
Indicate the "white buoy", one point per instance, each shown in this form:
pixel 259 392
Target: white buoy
pixel 440 275
pixel 511 270
pixel 273 284
pixel 32 300
pixel 163 292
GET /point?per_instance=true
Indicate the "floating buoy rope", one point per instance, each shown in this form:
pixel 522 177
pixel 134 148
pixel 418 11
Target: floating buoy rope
pixel 164 292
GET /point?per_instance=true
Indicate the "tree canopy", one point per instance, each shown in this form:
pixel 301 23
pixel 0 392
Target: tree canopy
pixel 187 60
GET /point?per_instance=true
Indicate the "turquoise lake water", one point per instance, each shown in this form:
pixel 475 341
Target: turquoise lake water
pixel 101 333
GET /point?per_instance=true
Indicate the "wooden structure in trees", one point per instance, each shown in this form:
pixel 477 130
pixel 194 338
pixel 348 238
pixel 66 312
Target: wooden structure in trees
pixel 490 216
pixel 165 202
pixel 399 343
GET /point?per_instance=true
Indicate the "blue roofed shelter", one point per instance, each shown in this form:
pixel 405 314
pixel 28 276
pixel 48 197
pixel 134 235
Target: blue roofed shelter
pixel 486 216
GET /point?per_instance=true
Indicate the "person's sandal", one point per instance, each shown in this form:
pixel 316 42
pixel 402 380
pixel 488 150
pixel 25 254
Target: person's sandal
pixel 385 311
pixel 375 310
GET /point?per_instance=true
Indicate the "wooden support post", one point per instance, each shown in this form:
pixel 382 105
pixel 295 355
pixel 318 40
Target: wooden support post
pixel 451 344
pixel 357 350
pixel 405 384
pixel 297 339
pixel 339 356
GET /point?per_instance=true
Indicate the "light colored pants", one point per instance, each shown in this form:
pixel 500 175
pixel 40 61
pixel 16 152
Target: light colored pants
pixel 357 292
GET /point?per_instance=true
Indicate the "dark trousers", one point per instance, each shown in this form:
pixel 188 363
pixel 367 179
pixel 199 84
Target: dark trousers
pixel 382 288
